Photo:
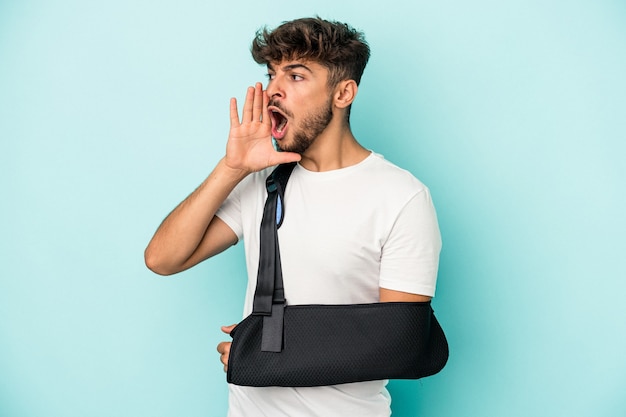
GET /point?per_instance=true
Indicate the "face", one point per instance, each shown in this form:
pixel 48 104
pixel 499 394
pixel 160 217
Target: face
pixel 300 103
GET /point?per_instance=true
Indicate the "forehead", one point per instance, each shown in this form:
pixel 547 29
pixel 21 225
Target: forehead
pixel 312 67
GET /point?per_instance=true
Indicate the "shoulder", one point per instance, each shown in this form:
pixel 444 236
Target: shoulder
pixel 390 177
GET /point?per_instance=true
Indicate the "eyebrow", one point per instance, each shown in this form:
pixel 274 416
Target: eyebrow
pixel 290 67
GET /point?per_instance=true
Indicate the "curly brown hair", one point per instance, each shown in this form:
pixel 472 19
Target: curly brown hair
pixel 335 45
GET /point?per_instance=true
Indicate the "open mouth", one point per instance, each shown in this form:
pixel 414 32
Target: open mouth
pixel 279 123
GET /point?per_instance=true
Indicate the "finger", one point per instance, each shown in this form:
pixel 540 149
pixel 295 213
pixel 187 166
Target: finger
pixel 228 329
pixel 247 106
pixel 257 109
pixel 266 113
pixel 225 354
pixel 234 113
pixel 224 361
pixel 223 348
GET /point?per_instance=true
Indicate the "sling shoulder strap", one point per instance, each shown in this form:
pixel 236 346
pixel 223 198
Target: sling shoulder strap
pixel 269 298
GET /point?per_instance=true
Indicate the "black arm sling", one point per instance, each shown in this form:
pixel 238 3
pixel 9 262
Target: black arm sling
pixel 315 345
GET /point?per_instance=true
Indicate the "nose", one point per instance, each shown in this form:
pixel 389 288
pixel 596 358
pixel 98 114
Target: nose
pixel 274 88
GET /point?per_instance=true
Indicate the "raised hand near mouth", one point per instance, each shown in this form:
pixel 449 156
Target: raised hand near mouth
pixel 192 233
pixel 249 146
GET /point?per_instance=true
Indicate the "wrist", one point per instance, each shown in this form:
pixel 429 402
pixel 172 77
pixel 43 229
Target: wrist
pixel 231 173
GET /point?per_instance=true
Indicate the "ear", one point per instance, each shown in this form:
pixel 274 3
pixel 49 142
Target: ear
pixel 345 93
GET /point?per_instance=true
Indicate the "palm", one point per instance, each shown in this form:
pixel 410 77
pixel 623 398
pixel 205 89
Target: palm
pixel 249 144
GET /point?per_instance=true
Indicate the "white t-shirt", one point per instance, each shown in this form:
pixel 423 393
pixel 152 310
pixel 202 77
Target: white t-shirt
pixel 345 234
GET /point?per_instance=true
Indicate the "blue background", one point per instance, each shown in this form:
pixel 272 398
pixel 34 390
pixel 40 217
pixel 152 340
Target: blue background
pixel 513 113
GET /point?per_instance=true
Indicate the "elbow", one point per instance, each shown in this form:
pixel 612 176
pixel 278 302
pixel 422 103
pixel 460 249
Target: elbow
pixel 156 264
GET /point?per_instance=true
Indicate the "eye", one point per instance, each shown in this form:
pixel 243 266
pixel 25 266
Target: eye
pixel 297 77
pixel 270 76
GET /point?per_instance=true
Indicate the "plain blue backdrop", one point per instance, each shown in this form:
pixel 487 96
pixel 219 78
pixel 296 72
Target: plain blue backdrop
pixel 513 113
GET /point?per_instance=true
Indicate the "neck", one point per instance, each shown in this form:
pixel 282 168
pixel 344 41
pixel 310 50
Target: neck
pixel 335 148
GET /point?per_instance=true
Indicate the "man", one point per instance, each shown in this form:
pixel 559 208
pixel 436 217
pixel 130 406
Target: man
pixel 357 229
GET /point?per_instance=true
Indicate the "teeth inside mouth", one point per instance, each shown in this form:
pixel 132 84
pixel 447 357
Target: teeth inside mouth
pixel 281 121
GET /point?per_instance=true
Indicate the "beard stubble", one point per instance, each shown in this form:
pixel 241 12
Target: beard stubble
pixel 312 126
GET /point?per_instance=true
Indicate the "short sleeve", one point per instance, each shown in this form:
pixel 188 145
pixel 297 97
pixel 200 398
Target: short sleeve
pixel 410 255
pixel 230 212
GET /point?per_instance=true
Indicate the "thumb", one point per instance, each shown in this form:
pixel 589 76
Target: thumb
pixel 286 157
pixel 228 329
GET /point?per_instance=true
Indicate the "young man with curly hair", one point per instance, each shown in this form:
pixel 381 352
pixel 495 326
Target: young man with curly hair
pixel 358 230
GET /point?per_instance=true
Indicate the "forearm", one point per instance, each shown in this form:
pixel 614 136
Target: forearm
pixel 387 296
pixel 180 235
pixel 189 234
